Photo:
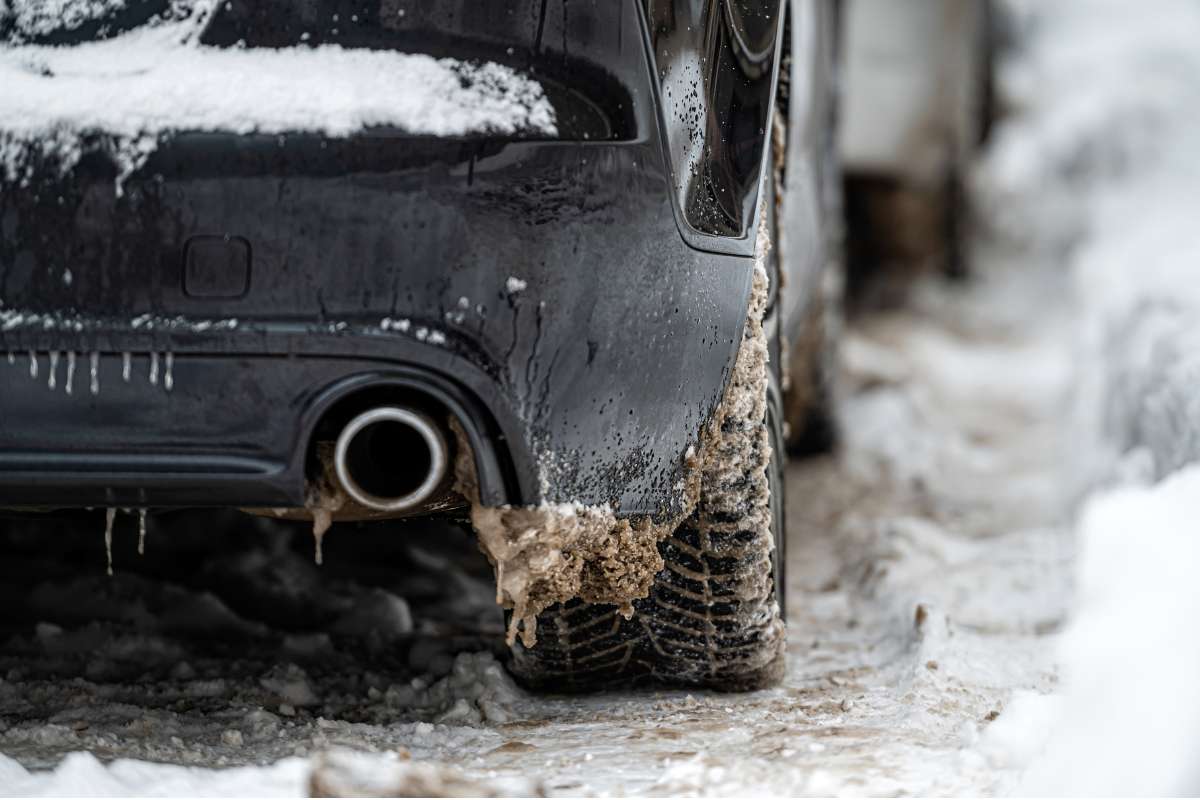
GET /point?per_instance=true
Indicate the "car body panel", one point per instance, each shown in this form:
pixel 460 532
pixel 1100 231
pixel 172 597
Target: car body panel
pixel 552 294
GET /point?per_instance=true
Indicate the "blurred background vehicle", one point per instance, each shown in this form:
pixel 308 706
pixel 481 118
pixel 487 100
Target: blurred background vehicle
pixel 917 105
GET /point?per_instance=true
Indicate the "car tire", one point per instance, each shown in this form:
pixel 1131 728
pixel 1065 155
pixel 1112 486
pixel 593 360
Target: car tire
pixel 713 618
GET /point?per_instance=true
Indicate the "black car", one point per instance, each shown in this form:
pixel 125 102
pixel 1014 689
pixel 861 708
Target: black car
pixel 572 320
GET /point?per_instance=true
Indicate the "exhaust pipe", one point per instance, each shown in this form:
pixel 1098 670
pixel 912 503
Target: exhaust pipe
pixel 391 459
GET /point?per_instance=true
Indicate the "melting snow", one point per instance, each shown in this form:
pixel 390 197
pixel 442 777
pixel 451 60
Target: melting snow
pixel 158 79
pixel 40 17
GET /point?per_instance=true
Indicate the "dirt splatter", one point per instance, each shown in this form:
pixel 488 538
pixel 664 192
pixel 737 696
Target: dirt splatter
pixel 344 773
pixel 552 553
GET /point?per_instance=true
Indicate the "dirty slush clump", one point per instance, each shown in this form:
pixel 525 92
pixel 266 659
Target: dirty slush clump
pixel 552 553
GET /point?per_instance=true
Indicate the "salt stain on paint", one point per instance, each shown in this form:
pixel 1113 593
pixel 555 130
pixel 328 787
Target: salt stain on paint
pixel 109 515
pixel 70 371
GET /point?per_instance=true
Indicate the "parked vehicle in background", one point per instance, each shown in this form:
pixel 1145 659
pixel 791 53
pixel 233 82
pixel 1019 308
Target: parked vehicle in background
pixel 917 101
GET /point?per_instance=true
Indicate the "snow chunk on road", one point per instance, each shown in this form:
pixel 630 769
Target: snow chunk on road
pixel 346 773
pixel 158 79
pixel 291 685
pixel 477 690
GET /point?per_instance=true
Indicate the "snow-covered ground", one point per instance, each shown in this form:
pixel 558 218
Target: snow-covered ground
pixel 928 575
pixel 990 587
pixel 1100 172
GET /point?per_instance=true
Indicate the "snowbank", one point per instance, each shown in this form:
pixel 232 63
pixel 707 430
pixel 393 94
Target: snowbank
pixel 1128 719
pixel 82 774
pixel 156 79
pixel 1098 171
pixel 1131 708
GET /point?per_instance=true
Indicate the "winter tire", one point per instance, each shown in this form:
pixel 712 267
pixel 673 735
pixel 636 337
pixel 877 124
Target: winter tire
pixel 713 617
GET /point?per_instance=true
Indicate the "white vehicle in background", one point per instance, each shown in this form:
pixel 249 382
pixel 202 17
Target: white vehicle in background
pixel 916 102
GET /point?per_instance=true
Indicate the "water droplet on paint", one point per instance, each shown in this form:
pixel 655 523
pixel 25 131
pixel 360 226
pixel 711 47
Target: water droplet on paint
pixel 95 372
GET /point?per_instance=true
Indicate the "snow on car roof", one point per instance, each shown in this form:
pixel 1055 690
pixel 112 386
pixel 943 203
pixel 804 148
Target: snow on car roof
pixel 157 78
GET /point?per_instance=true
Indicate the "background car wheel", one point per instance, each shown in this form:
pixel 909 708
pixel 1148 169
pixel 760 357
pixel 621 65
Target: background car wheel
pixel 809 379
pixel 899 230
pixel 810 399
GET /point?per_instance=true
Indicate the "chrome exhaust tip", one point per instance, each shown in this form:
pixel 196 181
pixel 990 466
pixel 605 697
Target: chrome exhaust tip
pixel 391 459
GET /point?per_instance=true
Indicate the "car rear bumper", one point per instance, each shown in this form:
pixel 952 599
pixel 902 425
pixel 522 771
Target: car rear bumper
pixel 543 286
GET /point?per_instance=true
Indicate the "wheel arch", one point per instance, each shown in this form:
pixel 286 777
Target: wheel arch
pixel 715 67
